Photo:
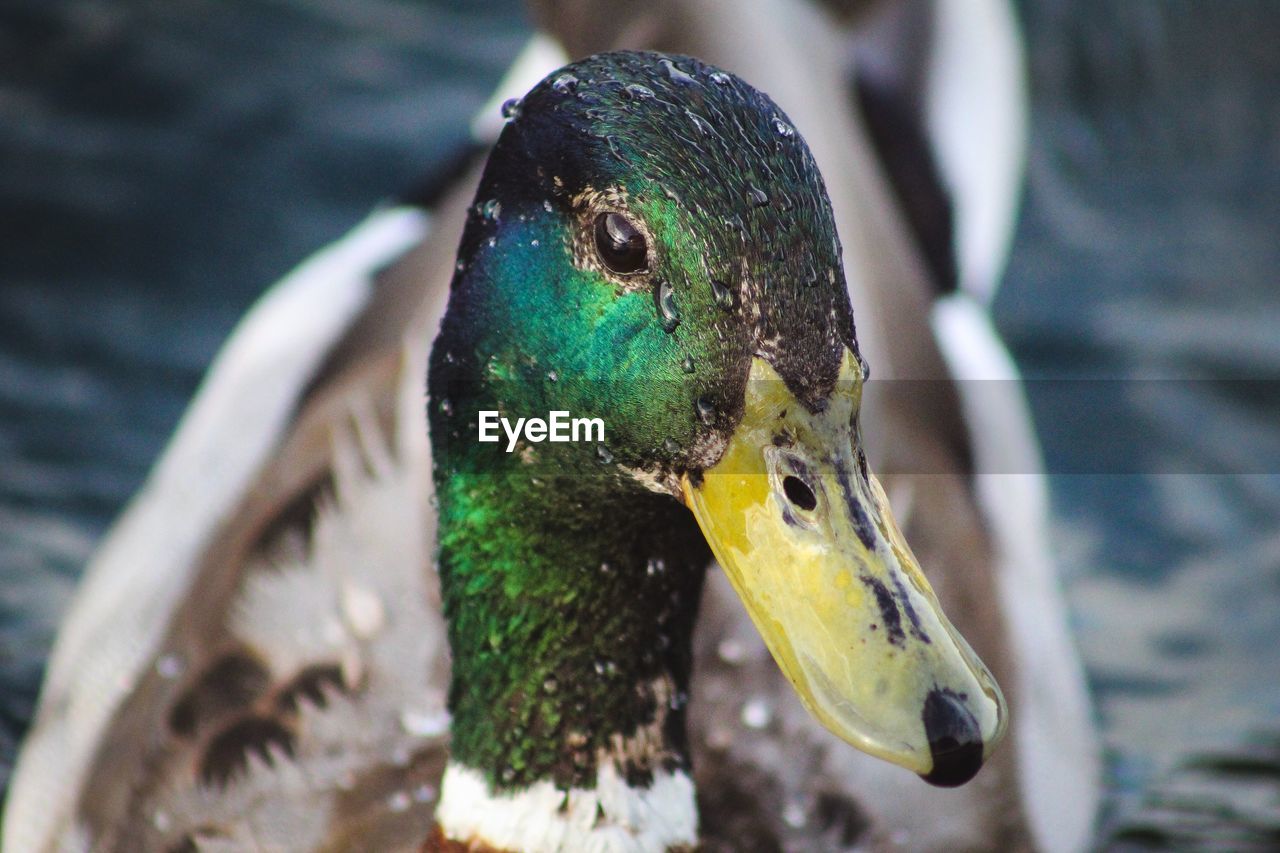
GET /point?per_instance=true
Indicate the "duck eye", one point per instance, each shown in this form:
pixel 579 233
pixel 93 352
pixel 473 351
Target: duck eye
pixel 620 244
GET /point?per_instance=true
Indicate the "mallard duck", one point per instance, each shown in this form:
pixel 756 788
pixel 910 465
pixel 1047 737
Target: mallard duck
pixel 275 672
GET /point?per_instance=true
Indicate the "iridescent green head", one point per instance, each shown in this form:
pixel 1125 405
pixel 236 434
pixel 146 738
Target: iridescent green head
pixel 646 225
pixel 652 245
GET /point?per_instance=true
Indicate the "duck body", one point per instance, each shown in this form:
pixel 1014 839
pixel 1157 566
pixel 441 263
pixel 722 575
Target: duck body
pixel 301 634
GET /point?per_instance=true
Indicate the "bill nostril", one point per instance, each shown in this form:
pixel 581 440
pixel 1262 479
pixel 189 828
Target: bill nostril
pixel 954 739
pixel 799 493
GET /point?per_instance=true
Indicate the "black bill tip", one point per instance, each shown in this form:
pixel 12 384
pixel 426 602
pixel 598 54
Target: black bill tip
pixel 954 740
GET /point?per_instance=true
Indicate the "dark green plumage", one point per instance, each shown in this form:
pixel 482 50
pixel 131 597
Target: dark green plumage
pixel 570 585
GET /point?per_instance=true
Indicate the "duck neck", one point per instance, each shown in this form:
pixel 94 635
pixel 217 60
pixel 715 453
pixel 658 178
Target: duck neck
pixel 570 603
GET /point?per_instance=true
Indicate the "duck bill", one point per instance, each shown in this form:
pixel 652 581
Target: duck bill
pixel 806 536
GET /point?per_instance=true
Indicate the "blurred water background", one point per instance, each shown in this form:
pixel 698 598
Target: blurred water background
pixel 162 162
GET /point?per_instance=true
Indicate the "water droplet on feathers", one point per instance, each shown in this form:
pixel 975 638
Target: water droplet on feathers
pixel 169 667
pixel 706 411
pixel 565 84
pixel 756 713
pixel 700 124
pixel 606 667
pixel 793 815
pixel 668 313
pixel 638 92
pixel 731 651
pixel 677 75
pixel 363 610
pixel 723 295
pixel 424 723
pixel 510 107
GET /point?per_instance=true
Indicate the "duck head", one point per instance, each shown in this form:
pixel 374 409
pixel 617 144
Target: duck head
pixel 652 246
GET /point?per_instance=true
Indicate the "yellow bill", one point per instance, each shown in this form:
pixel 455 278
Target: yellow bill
pixel 810 545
